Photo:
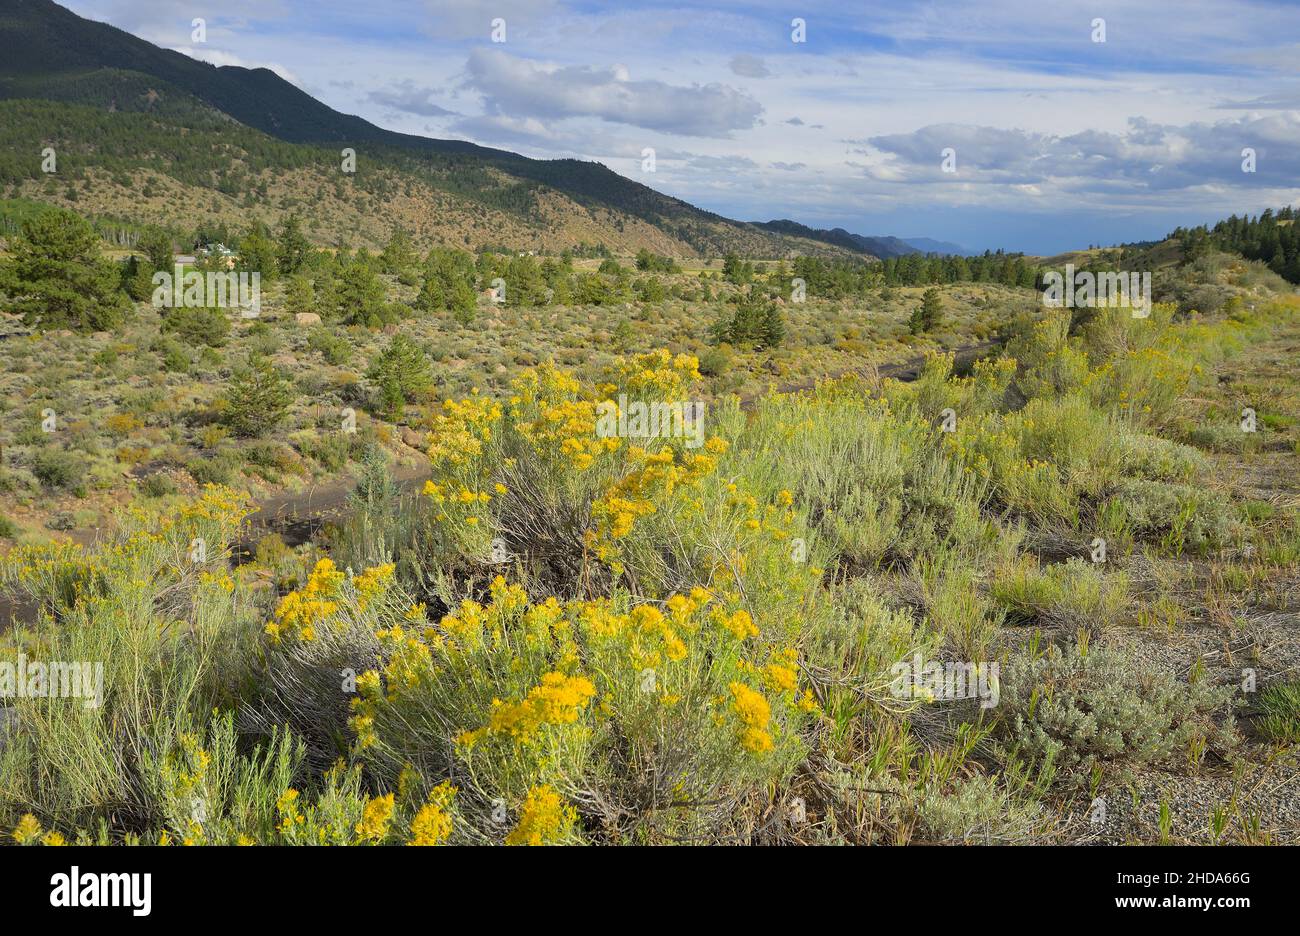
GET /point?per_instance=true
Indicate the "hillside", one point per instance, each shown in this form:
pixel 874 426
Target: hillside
pixel 219 142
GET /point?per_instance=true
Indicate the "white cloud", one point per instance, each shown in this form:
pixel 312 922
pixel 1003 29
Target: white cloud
pixel 405 96
pixel 523 87
pixel 1144 157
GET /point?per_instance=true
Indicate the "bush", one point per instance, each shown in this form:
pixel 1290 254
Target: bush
pixel 335 349
pixel 58 468
pixel 694 712
pixel 198 326
pixel 1074 594
pixel 1079 709
pixel 158 485
pixel 257 399
pixel 220 467
pixel 400 374
pixel 1279 712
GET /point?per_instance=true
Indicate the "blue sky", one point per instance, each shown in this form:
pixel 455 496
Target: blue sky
pixel 1059 141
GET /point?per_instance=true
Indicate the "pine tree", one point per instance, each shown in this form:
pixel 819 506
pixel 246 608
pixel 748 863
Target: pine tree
pixel 358 295
pixel 292 247
pixel 299 296
pixel 432 297
pixel 157 247
pixel 257 252
pixel 401 374
pixel 398 255
pixel 926 316
pixel 57 278
pixel 464 303
pixel 773 325
pixel 257 399
pixel 137 279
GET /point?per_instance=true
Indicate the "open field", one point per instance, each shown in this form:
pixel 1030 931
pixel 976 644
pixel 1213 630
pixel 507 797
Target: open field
pixel 1086 574
pixel 143 402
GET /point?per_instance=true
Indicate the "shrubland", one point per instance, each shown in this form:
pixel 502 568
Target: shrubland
pixel 573 637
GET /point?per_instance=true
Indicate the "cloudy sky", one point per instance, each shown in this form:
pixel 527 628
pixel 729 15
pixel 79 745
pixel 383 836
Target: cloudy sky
pixel 1057 140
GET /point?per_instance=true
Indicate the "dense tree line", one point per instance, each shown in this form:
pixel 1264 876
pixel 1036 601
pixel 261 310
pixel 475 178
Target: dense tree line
pixel 1008 269
pixel 1270 238
pixel 836 279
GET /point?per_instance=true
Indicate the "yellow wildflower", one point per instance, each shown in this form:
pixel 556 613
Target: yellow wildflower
pixel 544 819
pixel 375 817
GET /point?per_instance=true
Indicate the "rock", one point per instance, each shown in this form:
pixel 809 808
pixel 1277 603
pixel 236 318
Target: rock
pixel 306 318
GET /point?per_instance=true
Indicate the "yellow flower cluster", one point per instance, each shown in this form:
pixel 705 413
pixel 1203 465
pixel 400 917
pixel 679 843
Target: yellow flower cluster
pixel 543 820
pixel 782 674
pixel 27 831
pixel 432 824
pixel 32 563
pixel 569 428
pixel 299 612
pixel 375 818
pixel 185 771
pixel 287 809
pixel 655 375
pixel 655 478
pixel 739 623
pixel 755 715
pixel 558 700
pixel 217 504
pixel 372 583
pixel 462 430
pixel 552 413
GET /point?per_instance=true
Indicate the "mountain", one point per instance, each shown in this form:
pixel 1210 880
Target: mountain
pixel 884 247
pixel 880 247
pixel 929 245
pixel 228 141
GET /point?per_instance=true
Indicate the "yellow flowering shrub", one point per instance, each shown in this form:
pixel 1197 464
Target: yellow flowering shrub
pixel 434 822
pixel 529 694
pixel 539 472
pixel 544 819
pixel 376 816
pixel 181 547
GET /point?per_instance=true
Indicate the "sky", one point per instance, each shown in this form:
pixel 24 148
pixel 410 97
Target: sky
pixel 993 124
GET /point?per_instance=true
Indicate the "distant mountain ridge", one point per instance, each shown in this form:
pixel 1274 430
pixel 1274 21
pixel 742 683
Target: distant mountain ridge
pixel 947 248
pixel 881 246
